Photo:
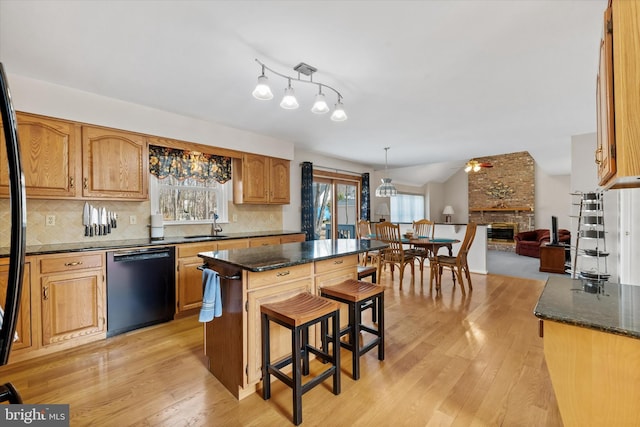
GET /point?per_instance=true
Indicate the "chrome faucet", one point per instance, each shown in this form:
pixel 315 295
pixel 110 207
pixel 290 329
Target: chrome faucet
pixel 215 228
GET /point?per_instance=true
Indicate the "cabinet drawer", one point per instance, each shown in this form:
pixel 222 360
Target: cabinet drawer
pixel 190 250
pixel 277 276
pixel 264 241
pixel 71 263
pixel 291 238
pixel 349 261
pixel 233 244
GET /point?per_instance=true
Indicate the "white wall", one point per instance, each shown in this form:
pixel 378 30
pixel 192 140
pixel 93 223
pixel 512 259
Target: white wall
pixel 552 198
pixel 584 178
pixel 44 98
pixel 456 194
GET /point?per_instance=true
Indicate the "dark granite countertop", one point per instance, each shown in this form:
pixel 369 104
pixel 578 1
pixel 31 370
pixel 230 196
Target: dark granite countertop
pixel 95 244
pixel 265 258
pixel 616 309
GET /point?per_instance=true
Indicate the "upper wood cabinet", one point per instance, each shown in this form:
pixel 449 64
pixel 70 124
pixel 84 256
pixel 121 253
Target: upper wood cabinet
pixel 261 180
pixel 115 164
pixel 618 93
pixel 50 155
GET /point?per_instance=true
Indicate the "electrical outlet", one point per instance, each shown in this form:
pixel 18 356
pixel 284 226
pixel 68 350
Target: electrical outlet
pixel 51 220
pixel 235 217
pixel 133 220
pixel 271 217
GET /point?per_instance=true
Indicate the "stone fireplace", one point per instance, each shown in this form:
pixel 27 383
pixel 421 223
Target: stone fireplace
pixel 503 197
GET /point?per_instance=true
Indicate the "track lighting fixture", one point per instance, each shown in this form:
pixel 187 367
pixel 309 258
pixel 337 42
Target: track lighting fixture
pixel 289 101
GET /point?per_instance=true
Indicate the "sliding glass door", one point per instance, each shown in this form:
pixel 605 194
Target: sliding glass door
pixel 336 207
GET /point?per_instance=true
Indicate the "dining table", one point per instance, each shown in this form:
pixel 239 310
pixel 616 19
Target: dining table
pixel 433 244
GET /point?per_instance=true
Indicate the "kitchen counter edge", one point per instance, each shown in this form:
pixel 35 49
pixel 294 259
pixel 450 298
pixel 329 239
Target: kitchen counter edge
pixel 272 257
pixel 135 243
pixel 565 300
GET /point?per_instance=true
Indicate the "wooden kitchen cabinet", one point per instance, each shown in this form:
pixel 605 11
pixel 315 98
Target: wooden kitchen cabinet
pixel 292 238
pixel 264 241
pixel 330 272
pixel 261 180
pixel 280 337
pixel 233 342
pixel 50 155
pixel 23 325
pixel 72 298
pixel 189 278
pixel 618 97
pixel 189 283
pixel 279 179
pixel 115 164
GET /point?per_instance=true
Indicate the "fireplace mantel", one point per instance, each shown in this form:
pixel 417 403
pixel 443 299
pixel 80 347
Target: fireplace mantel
pixel 506 209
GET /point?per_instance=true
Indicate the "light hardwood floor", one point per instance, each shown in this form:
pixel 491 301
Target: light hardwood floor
pixel 451 360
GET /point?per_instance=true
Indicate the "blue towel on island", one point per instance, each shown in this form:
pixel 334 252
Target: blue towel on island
pixel 211 300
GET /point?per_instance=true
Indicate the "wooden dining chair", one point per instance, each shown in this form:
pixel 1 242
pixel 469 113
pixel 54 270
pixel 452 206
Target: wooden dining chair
pixel 422 228
pixel 395 254
pixel 363 231
pixel 457 264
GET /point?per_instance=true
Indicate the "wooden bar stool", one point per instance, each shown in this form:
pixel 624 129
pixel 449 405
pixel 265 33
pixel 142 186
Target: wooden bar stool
pixel 359 296
pixel 366 271
pixel 369 271
pixel 297 314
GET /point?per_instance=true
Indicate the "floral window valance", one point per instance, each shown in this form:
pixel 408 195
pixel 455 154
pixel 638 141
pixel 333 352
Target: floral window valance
pixel 182 164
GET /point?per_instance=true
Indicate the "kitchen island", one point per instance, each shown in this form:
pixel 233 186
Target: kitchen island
pixel 254 276
pixel 592 350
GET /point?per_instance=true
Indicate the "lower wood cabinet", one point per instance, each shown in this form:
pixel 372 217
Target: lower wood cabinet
pixel 280 337
pixel 330 272
pixel 72 297
pixel 291 238
pixel 189 278
pixel 233 342
pixel 23 325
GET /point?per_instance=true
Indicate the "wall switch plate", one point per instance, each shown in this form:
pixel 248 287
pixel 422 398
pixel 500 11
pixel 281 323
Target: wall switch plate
pixel 133 220
pixel 51 220
pixel 235 217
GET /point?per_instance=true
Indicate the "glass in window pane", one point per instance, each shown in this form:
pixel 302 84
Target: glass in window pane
pixel 406 208
pixel 346 210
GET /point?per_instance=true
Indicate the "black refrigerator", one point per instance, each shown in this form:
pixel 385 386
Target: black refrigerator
pixel 11 304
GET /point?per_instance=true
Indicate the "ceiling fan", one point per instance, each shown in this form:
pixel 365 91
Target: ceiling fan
pixel 475 166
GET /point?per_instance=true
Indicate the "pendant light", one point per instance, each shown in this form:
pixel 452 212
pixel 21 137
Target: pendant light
pixel 262 90
pixel 386 189
pixel 289 101
pixel 320 105
pixel 338 114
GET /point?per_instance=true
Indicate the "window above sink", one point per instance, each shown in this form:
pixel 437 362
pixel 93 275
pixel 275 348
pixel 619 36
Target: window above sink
pixel 189 188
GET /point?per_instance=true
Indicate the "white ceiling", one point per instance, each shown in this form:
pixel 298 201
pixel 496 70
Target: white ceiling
pixel 439 82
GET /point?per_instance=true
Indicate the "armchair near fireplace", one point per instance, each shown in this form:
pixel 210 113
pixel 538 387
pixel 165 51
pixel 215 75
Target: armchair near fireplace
pixel 528 242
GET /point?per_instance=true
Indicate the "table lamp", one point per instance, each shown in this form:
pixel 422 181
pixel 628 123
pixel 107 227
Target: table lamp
pixel 447 212
pixel 382 210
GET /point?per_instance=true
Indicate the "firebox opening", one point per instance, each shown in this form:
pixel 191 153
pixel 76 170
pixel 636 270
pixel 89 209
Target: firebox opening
pixel 501 231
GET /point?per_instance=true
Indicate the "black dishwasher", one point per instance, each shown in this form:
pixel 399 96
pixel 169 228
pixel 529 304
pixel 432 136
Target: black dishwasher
pixel 140 288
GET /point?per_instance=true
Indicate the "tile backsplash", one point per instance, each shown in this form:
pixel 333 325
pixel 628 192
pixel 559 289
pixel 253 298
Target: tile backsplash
pixel 68 226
